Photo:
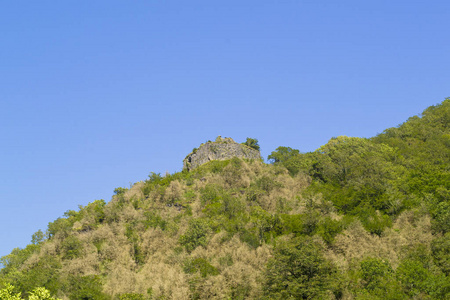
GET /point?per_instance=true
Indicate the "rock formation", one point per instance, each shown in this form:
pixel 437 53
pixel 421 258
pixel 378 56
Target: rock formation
pixel 221 149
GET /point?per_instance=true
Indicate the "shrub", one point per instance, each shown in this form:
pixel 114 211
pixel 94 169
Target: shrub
pixel 71 247
pixel 7 293
pixel 131 296
pixel 440 249
pixel 196 235
pixel 44 273
pixel 249 238
pixel 85 287
pixel 154 220
pixel 329 228
pixel 232 207
pixel 252 143
pixel 201 265
pixel 210 194
pixel 40 293
pixel 374 272
pixel 373 221
pixel 267 183
pixel 96 210
pixel 441 217
pixel 120 191
pixel 298 270
pixel 413 277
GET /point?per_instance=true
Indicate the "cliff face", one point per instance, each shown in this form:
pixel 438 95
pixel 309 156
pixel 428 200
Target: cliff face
pixel 221 149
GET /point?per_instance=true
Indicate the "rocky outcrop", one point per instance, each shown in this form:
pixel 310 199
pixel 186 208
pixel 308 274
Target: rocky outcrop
pixel 221 149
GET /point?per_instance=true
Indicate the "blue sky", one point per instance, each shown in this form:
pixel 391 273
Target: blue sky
pixel 95 95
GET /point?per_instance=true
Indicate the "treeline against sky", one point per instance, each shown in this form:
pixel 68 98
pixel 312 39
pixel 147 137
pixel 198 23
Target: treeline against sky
pixel 356 219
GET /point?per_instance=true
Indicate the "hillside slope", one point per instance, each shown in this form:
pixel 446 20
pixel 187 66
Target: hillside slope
pixel 356 219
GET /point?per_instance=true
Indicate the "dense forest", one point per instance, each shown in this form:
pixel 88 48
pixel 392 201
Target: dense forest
pixel 359 218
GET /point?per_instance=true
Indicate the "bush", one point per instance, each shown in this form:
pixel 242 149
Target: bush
pixel 40 293
pixel 298 270
pixel 131 296
pixel 120 191
pixel 201 265
pixel 249 238
pixel 291 159
pixel 153 220
pixel 71 247
pixel 44 273
pixel 210 194
pixel 373 221
pixel 252 143
pixel 440 249
pixel 441 218
pixel 375 272
pixel 85 287
pixel 329 228
pixel 413 277
pixel 267 184
pixel 196 235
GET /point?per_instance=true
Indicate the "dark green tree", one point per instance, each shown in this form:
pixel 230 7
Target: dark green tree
pixel 196 235
pixel 252 143
pixel 85 288
pixel 440 249
pixel 290 158
pixel 298 270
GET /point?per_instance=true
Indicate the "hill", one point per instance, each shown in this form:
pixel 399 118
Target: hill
pixel 356 219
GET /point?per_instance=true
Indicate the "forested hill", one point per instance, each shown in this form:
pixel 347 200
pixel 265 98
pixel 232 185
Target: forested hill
pixel 356 219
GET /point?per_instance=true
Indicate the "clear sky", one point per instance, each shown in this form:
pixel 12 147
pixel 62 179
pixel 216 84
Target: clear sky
pixel 95 95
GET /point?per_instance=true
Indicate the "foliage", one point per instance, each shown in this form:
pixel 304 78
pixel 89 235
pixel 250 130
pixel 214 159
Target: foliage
pixel 85 287
pixel 441 252
pixel 120 191
pixel 375 273
pixel 196 235
pixel 290 158
pixel 40 293
pixel 71 247
pixel 201 265
pixel 238 229
pixel 153 220
pixel 329 228
pixel 298 270
pixel 7 293
pixel 37 238
pixel 252 143
pixel 131 296
pixel 17 257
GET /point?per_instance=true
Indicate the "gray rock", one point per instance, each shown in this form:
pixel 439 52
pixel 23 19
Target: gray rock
pixel 221 149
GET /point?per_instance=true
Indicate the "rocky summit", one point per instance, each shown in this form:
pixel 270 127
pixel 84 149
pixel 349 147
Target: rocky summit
pixel 220 149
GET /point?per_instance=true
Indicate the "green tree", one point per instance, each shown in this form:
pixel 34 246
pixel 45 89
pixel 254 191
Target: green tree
pixel 298 270
pixel 413 277
pixel 291 159
pixel 252 143
pixel 39 293
pixel 440 249
pixel 131 296
pixel 37 238
pixel 7 293
pixel 85 288
pixel 375 273
pixel 441 217
pixel 196 235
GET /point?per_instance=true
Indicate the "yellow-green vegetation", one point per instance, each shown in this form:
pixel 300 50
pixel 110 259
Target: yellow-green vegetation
pixel 356 219
pixel 39 293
